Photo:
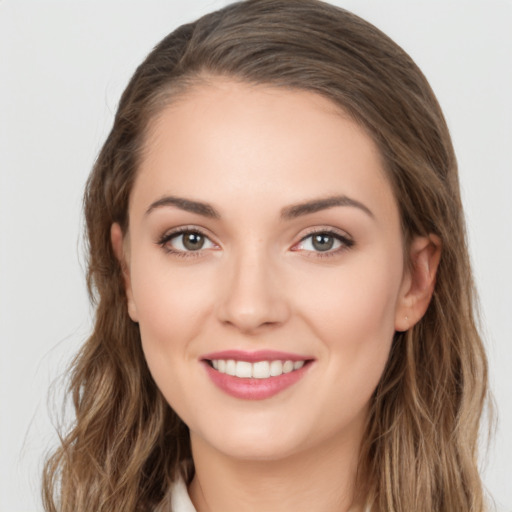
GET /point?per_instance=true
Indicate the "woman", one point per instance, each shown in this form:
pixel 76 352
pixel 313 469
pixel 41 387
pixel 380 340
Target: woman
pixel 284 297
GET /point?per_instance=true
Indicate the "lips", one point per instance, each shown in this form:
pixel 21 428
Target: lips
pixel 255 375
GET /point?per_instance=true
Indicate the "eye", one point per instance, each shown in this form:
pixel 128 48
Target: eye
pixel 186 241
pixel 324 242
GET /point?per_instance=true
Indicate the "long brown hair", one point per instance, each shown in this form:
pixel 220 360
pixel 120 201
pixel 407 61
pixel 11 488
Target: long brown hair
pixel 420 450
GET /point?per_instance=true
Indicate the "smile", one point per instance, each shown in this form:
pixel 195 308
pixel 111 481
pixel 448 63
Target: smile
pixel 257 370
pixel 255 375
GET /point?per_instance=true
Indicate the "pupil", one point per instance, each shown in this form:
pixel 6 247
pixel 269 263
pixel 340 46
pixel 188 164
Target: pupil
pixel 323 242
pixel 193 241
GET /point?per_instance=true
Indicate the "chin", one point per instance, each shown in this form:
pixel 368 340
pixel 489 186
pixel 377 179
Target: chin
pixel 258 449
pixel 254 442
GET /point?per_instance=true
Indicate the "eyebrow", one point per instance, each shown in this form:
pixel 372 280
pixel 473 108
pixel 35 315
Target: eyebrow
pixel 316 205
pixel 289 212
pixel 204 209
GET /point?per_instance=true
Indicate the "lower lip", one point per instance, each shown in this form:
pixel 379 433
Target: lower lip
pixel 255 389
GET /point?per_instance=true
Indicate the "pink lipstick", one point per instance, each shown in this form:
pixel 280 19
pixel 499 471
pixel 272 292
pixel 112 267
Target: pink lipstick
pixel 255 375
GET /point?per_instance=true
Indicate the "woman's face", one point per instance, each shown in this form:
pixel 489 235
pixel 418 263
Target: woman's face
pixel 265 267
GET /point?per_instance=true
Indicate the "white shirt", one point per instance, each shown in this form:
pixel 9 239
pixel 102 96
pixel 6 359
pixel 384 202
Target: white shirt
pixel 180 500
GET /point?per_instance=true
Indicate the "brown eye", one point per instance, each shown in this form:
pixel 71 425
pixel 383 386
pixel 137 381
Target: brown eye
pixel 193 241
pixel 186 242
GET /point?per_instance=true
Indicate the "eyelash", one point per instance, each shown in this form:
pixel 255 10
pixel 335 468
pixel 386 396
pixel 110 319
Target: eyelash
pixel 346 242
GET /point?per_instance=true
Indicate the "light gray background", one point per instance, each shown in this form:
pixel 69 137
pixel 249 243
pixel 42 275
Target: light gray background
pixel 63 65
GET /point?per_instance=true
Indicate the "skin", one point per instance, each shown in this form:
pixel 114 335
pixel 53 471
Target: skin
pixel 252 152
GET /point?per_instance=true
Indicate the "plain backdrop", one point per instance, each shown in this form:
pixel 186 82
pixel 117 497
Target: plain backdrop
pixel 63 65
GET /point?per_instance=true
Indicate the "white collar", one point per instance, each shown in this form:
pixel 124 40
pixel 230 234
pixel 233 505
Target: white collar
pixel 180 500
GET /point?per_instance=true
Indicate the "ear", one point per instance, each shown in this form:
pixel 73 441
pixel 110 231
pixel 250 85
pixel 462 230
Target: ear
pixel 419 281
pixel 119 241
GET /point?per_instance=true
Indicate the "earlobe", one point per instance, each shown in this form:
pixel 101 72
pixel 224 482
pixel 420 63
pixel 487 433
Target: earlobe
pixel 418 285
pixel 117 240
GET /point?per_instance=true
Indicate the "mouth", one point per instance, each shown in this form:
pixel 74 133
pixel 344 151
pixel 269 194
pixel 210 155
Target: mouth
pixel 255 375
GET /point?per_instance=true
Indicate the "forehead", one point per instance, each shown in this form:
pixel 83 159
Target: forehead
pixel 228 139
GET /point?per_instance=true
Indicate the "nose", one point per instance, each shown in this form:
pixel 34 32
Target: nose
pixel 253 297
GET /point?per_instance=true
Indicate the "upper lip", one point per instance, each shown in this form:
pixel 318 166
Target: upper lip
pixel 255 356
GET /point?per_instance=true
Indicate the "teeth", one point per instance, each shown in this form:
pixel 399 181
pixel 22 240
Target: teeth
pixel 231 367
pixel 288 367
pixel 276 368
pixel 243 369
pixel 258 370
pixel 261 370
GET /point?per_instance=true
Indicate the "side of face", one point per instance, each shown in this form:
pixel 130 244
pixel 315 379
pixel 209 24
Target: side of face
pixel 262 221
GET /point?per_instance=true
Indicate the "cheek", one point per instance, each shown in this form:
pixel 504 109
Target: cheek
pixel 353 302
pixel 353 315
pixel 171 306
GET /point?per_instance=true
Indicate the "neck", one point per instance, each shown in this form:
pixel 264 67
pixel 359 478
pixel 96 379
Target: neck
pixel 320 479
